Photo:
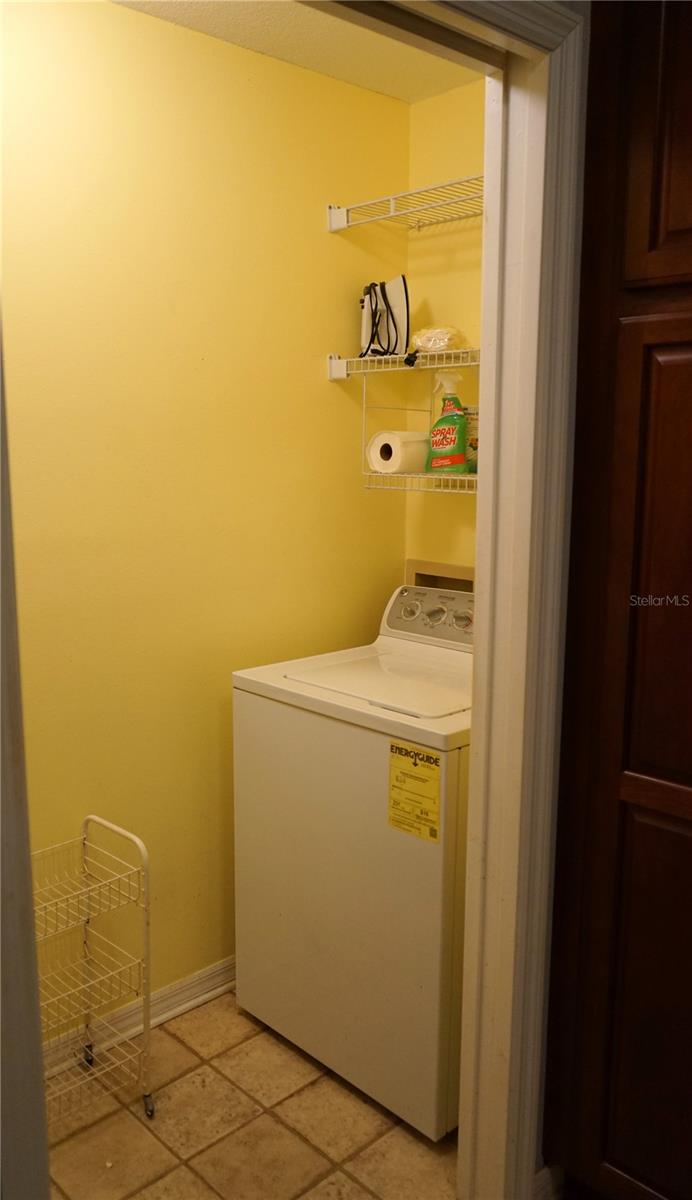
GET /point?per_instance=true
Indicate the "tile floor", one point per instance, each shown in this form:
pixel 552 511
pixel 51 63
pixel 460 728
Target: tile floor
pixel 242 1115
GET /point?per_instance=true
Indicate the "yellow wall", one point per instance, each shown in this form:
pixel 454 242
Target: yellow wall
pixel 444 271
pixel 178 459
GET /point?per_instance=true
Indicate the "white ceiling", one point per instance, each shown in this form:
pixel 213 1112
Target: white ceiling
pixel 310 38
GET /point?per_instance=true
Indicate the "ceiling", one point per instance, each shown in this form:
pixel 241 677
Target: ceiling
pixel 310 38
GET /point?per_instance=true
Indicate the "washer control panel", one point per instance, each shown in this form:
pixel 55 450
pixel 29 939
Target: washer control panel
pixel 425 612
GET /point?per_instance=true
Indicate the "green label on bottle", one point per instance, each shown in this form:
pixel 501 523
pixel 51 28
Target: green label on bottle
pixel 447 453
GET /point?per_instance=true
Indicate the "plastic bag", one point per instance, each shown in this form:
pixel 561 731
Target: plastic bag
pixel 430 341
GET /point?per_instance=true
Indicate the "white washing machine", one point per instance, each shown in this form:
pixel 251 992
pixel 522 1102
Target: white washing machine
pixel 351 775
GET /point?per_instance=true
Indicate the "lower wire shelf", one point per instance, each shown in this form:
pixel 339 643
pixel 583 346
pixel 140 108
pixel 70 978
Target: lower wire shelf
pixel 87 1064
pixel 422 482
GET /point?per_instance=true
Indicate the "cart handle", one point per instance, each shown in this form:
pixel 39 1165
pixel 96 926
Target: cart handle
pixel 131 837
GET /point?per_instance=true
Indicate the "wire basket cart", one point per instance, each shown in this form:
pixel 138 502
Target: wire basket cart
pixel 85 975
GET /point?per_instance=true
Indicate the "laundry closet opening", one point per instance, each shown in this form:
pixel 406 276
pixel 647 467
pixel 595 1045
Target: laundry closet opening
pixel 198 196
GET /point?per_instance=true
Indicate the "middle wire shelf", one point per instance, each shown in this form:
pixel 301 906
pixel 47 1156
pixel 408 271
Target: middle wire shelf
pixel 69 986
pixel 345 368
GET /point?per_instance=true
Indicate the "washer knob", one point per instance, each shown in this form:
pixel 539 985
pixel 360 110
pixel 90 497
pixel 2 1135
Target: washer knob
pixel 435 615
pixel 462 620
pixel 410 610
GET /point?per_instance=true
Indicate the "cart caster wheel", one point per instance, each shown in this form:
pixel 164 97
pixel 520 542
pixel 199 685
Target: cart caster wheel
pixel 89 1054
pixel 148 1105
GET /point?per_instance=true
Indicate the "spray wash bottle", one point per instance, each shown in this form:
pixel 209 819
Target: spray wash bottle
pixel 447 453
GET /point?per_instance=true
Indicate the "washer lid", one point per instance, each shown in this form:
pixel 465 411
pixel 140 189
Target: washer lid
pixel 394 681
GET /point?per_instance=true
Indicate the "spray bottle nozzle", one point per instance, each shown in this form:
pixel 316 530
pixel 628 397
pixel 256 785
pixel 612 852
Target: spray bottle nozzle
pixel 448 381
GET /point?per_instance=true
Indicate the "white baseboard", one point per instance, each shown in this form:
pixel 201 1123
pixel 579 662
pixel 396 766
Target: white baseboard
pixel 177 998
pixel 547 1184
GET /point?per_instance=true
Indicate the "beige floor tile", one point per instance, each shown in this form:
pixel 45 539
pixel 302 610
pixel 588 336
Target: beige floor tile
pixel 405 1166
pixel 197 1109
pixel 268 1068
pixel 97 1104
pixel 109 1160
pixel 179 1185
pixel 214 1027
pixel 334 1118
pixel 337 1187
pixel 168 1059
pixel 262 1161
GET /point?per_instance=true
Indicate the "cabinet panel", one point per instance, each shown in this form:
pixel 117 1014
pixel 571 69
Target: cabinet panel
pixel 658 225
pixel 660 717
pixel 652 1046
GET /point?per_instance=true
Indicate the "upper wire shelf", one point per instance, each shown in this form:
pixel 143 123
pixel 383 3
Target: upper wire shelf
pixel 452 201
pixel 344 368
pixel 78 880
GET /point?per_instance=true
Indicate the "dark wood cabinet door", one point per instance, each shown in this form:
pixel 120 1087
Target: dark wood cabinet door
pixel 654 421
pixel 639 1054
pixel 659 113
pixel 619 1080
pixel 629 1129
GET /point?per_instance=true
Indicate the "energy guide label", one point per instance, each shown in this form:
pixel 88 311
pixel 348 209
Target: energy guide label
pixel 414 790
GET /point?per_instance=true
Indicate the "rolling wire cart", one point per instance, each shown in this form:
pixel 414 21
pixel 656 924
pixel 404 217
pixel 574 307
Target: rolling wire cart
pixel 84 975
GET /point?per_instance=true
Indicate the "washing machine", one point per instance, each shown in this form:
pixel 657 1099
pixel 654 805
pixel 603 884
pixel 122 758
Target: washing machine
pixel 351 775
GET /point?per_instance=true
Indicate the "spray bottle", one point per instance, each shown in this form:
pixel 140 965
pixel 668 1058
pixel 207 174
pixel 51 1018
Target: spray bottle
pixel 447 453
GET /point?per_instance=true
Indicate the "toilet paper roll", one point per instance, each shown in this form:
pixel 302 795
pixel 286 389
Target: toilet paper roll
pixel 397 452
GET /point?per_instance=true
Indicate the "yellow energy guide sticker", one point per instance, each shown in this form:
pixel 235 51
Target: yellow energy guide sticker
pixel 414 790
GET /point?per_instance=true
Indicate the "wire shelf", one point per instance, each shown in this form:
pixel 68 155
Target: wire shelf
pixel 344 368
pixel 78 880
pixel 455 200
pixel 422 482
pixel 70 986
pixel 86 1065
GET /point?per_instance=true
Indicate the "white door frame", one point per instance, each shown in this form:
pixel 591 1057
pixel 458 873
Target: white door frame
pixel 535 116
pixel 534 163
pixel 536 100
pixel 530 315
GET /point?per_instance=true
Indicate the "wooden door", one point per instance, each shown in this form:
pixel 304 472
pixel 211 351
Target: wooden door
pixel 619 1083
